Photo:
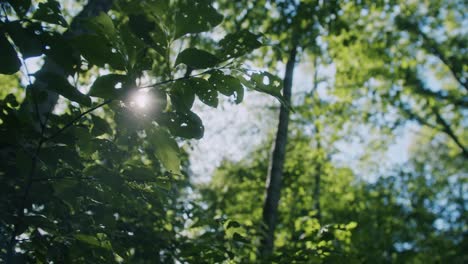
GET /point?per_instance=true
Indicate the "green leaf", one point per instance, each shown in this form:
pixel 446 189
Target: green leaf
pixel 237 237
pixel 266 83
pixel 105 176
pixel 62 52
pixel 92 241
pixel 233 224
pixel 106 86
pixel 182 95
pixel 100 126
pixel 9 62
pixel 50 12
pixel 103 25
pixel 11 100
pixel 26 39
pixel 139 173
pixel 64 189
pixel 237 44
pixel 205 91
pixel 351 225
pixel 134 47
pixel 166 150
pixel 197 59
pixel 183 124
pixel 227 85
pixel 21 7
pixel 195 16
pixel 99 51
pixel 60 85
pixel 149 31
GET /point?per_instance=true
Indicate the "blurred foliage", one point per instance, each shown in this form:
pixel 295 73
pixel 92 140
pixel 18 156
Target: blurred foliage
pixel 93 160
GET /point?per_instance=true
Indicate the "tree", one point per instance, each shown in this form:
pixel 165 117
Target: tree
pixel 93 145
pixel 88 183
pixel 295 27
pixel 396 61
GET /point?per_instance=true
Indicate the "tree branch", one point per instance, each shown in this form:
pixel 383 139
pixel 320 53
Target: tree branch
pixel 432 47
pixel 448 130
pixel 77 118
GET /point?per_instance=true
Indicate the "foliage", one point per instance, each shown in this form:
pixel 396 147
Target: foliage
pixel 101 180
pixel 94 143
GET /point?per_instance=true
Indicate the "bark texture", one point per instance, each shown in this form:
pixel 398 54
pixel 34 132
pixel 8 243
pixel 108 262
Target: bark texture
pixel 275 171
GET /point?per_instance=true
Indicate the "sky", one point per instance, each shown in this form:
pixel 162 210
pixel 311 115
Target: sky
pixel 232 132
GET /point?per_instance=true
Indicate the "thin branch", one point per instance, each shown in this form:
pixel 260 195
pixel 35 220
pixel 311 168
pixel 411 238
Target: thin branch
pixel 462 102
pixel 185 77
pixel 4 11
pixel 415 117
pixel 432 47
pixel 69 124
pixel 77 118
pixel 448 130
pixel 413 80
pixel 70 178
pixel 33 94
pixel 441 121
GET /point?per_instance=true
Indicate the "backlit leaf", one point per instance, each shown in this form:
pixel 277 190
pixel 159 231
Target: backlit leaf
pixel 60 85
pixel 227 85
pixel 26 39
pixel 166 150
pixel 183 124
pixel 50 12
pixel 197 59
pixel 107 86
pixel 237 44
pixel 195 16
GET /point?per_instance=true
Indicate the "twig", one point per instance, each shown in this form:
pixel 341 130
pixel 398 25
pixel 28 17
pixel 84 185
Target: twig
pixel 69 124
pixel 78 118
pixel 4 11
pixel 448 130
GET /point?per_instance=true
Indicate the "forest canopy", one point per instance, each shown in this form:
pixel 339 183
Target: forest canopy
pixel 218 131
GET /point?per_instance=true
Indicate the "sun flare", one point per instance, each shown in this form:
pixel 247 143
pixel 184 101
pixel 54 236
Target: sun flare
pixel 140 99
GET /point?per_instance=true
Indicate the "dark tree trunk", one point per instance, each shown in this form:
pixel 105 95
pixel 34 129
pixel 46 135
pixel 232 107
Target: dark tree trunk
pixel 275 172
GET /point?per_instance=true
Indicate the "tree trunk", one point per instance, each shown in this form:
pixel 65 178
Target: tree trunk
pixel 318 164
pixel 275 172
pixel 318 174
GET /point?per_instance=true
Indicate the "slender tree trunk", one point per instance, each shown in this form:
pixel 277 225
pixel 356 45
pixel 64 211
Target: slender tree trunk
pixel 275 172
pixel 318 161
pixel 318 175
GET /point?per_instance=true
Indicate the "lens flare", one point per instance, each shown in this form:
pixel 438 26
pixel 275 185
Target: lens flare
pixel 140 100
